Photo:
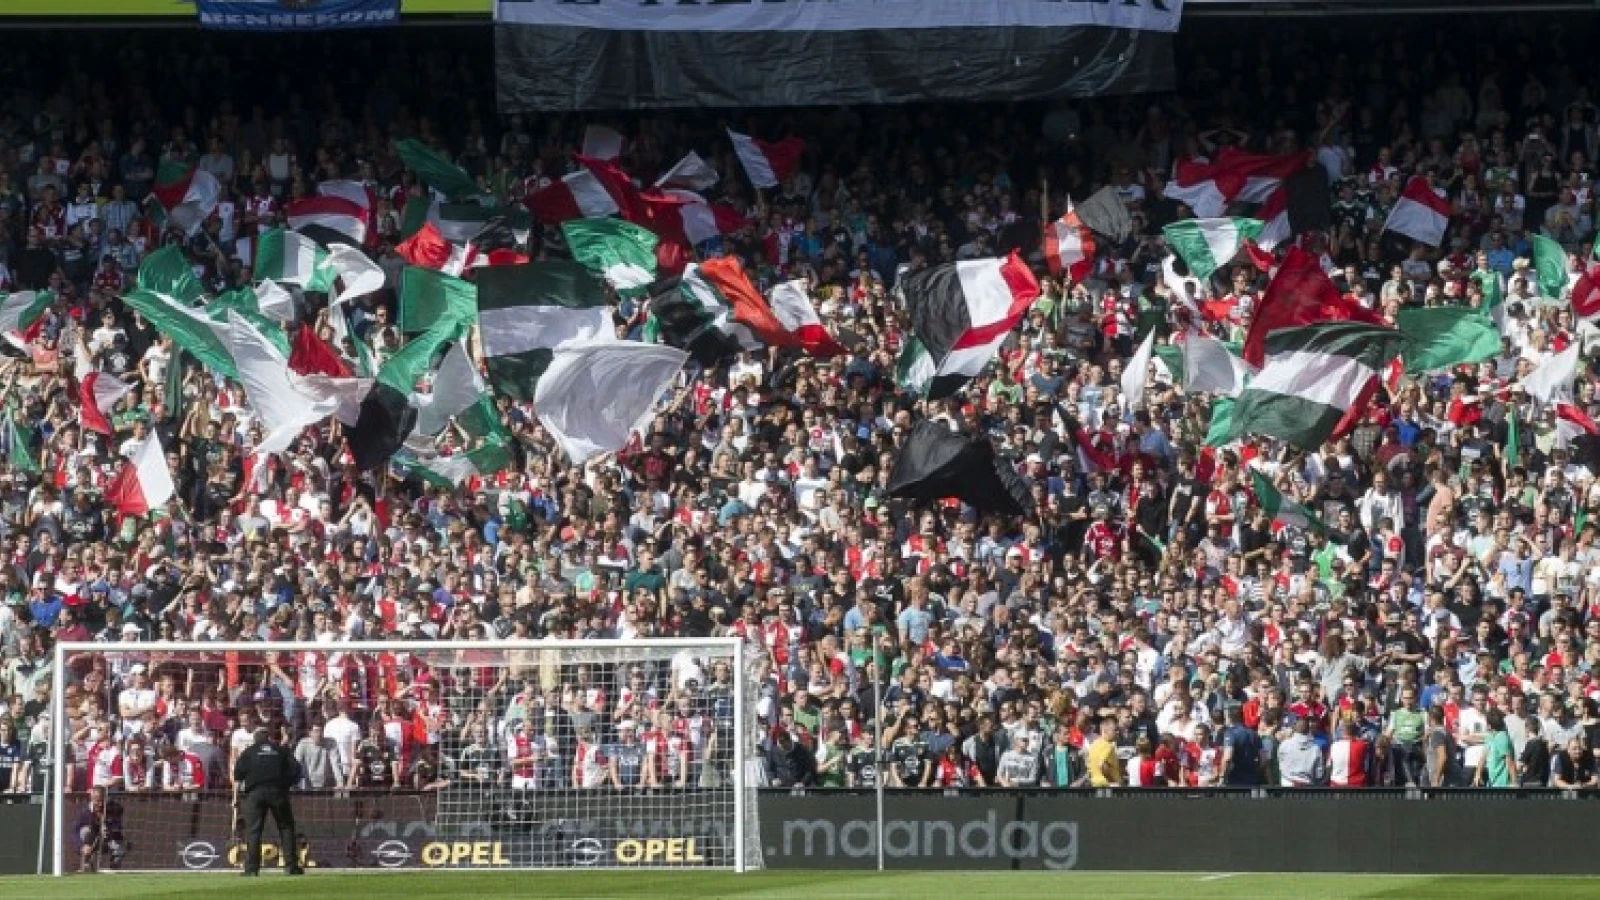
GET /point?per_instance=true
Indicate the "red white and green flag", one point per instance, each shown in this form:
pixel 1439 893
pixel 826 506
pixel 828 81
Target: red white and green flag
pixel 184 195
pixel 1313 376
pixel 22 315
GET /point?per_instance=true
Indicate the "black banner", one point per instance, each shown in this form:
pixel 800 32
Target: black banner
pixel 1327 831
pixel 497 828
pixel 553 68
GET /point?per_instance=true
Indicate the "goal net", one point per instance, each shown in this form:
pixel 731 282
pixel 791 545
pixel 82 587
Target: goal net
pixel 441 755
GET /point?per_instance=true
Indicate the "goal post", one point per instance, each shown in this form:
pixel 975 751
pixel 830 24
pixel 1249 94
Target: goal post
pixel 416 754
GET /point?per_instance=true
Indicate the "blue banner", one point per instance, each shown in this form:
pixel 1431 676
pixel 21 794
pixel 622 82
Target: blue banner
pixel 297 15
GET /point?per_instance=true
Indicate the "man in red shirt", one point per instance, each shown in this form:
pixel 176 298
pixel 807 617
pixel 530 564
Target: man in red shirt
pixel 1103 539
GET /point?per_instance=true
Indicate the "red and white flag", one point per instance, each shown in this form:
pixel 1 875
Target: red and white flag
pixel 98 394
pixel 686 217
pixel 1274 216
pixel 767 164
pixel 1420 214
pixel 311 355
pixel 1208 187
pixel 429 250
pixel 1572 423
pixel 690 173
pixel 1586 293
pixel 596 190
pixel 144 482
pixel 791 306
pixel 1069 246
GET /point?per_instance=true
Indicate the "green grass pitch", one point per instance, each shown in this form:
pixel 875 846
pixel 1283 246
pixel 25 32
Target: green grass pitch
pixel 831 885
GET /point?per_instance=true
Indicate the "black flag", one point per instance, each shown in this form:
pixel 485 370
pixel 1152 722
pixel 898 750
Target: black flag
pixel 936 463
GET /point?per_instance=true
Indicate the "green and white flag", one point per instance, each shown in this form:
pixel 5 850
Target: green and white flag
pixel 19 312
pixel 1220 432
pixel 427 294
pixel 20 451
pixel 434 170
pixel 1550 262
pixel 1313 375
pixel 243 302
pixel 1202 364
pixel 456 388
pixel 190 328
pixel 527 311
pixel 450 471
pixel 1494 300
pixel 620 252
pixel 1209 244
pixel 167 271
pixel 1281 509
pixel 1439 337
pixel 915 369
pixel 289 257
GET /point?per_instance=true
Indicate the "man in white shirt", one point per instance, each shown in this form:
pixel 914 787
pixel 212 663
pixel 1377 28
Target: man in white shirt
pixel 1471 729
pixel 136 699
pixel 195 733
pixel 344 733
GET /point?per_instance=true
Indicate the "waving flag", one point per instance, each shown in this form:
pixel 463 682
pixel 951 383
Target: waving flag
pixel 342 212
pixel 98 395
pixel 435 171
pixel 1573 423
pixel 690 173
pixel 1300 294
pixel 283 409
pixel 1420 213
pixel 19 447
pixel 1313 376
pixel 144 482
pixel 1551 382
pixel 963 311
pixel 1585 294
pixel 792 307
pixel 1208 187
pixel 767 164
pixel 1443 336
pixel 184 195
pixel 1302 203
pixel 1550 262
pixel 685 217
pixel 594 397
pixel 289 257
pixel 788 321
pixel 21 314
pixel 1282 510
pixel 1069 246
pixel 622 253
pixel 936 463
pixel 527 312
pixel 1207 245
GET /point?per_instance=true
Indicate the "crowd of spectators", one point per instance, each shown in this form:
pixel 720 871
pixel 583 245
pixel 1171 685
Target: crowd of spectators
pixel 1147 626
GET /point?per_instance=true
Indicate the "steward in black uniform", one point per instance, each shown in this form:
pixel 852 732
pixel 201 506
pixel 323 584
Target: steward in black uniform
pixel 264 773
